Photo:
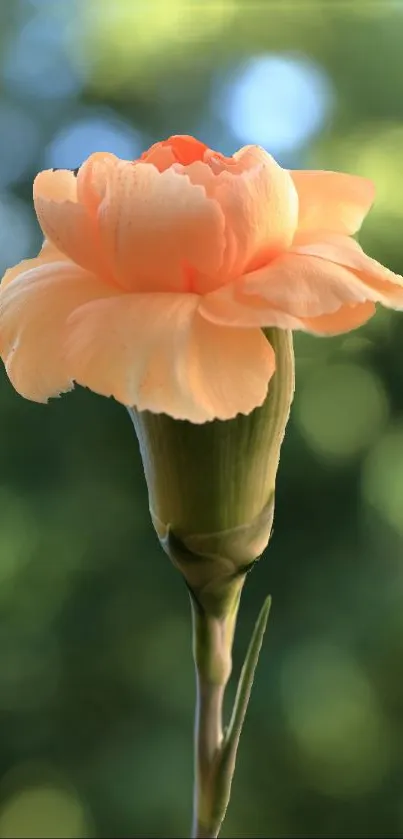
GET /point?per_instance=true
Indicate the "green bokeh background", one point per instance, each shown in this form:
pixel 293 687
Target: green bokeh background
pixel 96 680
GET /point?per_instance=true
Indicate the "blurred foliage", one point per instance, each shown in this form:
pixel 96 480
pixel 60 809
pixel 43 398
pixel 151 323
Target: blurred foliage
pixel 96 683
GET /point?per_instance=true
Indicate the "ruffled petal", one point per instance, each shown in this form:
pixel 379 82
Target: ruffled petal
pixel 233 308
pixel 65 221
pixel 331 201
pixel 48 253
pixel 307 286
pixel 155 352
pixel 230 306
pixel 296 285
pixel 259 202
pixel 180 148
pixel 261 205
pixel 92 179
pixel 33 310
pixel 232 368
pixel 384 286
pixel 344 320
pixel 157 229
pixel 162 157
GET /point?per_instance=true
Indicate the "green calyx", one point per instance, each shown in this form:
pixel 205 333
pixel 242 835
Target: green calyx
pixel 211 487
pixel 214 565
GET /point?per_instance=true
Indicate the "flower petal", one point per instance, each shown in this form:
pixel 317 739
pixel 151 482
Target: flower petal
pixel 92 179
pixel 233 308
pixel 259 202
pixel 65 221
pixel 155 352
pixel 344 320
pixel 307 286
pixel 296 284
pixel 232 367
pixel 162 157
pixel 331 201
pixel 33 310
pixel 385 286
pixel 180 148
pixel 157 228
pixel 48 253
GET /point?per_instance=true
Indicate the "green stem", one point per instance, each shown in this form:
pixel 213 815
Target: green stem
pixel 215 753
pixel 212 652
pixel 208 740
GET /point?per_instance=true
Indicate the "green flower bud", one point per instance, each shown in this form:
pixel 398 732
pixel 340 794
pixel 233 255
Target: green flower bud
pixel 211 487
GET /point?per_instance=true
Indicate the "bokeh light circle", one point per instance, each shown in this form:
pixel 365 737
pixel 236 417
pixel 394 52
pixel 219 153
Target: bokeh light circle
pixel 276 101
pixel 340 735
pixel 44 812
pixel 93 132
pixel 382 478
pixel 340 410
pixel 36 62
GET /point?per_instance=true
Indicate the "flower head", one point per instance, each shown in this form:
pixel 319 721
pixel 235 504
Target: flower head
pixel 157 277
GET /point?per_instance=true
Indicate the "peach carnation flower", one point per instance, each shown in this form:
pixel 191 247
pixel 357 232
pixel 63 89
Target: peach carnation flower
pixel 157 276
